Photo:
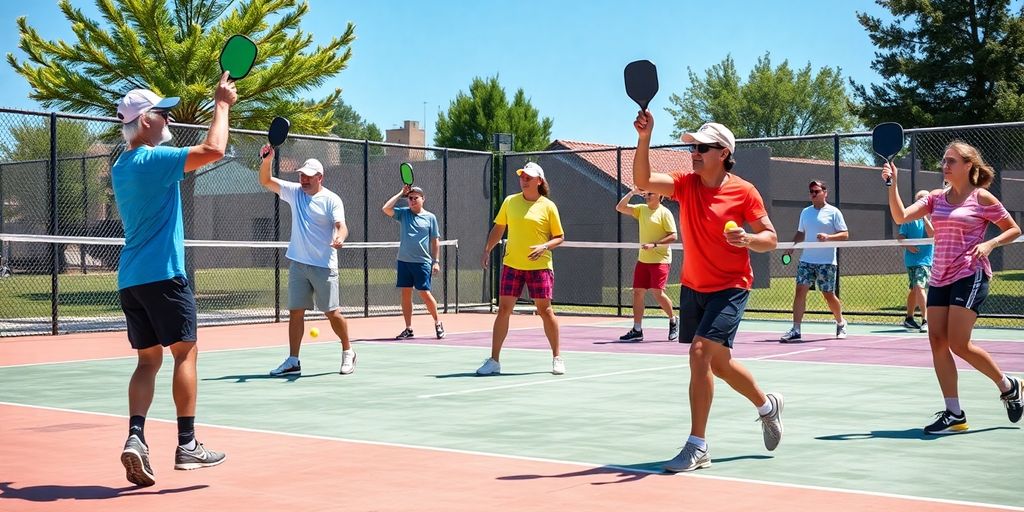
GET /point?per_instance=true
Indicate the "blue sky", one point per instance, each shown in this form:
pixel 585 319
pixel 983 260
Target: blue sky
pixel 568 55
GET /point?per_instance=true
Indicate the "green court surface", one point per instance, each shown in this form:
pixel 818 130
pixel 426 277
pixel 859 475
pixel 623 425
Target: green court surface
pixel 854 427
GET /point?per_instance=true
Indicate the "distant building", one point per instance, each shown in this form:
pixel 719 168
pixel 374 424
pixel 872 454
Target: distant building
pixel 410 134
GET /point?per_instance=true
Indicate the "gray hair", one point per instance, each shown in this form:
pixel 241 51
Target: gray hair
pixel 131 129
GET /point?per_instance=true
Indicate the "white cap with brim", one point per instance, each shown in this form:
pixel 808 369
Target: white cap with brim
pixel 140 101
pixel 531 169
pixel 311 167
pixel 712 133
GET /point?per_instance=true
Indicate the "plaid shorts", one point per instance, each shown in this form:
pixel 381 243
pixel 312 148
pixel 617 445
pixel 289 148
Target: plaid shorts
pixel 540 283
pixel 918 275
pixel 821 275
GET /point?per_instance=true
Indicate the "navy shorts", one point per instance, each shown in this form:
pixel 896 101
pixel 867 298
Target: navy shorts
pixel 968 292
pixel 413 275
pixel 159 313
pixel 715 315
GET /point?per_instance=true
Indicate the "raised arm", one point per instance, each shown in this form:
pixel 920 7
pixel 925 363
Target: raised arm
pixel 389 205
pixel 216 142
pixel 642 177
pixel 266 180
pixel 623 205
pixel 900 215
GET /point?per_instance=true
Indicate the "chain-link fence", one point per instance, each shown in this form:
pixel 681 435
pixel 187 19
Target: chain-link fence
pixel 587 181
pixel 55 180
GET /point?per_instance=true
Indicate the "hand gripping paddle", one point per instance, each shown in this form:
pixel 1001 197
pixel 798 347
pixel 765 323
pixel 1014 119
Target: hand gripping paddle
pixel 886 141
pixel 238 56
pixel 641 82
pixel 277 133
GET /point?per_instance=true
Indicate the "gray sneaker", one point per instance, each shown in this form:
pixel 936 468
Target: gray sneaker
pixel 841 330
pixel 689 459
pixel 135 458
pixel 673 330
pixel 771 423
pixel 198 458
pixel 793 334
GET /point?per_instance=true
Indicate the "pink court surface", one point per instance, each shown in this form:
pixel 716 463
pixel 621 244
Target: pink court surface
pixel 58 456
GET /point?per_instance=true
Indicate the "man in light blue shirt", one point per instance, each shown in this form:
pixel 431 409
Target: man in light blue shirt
pixel 418 254
pixel 318 230
pixel 918 259
pixel 155 295
pixel 820 222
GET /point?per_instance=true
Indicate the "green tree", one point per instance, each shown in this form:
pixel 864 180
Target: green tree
pixel 348 124
pixel 775 101
pixel 945 62
pixel 473 119
pixel 173 50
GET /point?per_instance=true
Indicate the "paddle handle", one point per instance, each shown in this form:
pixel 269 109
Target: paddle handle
pixel 888 181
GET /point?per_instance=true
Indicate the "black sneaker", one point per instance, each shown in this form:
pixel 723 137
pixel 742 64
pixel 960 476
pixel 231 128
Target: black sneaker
pixel 406 334
pixel 1013 400
pixel 135 458
pixel 632 335
pixel 438 330
pixel 200 457
pixel 947 423
pixel 673 330
pixel 924 326
pixel 910 325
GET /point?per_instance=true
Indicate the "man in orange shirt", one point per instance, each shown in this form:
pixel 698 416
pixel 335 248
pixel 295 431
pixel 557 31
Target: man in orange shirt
pixel 716 274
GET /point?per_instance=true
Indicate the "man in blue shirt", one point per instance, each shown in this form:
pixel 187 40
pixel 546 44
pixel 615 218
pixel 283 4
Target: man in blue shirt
pixel 318 230
pixel 418 253
pixel 820 222
pixel 155 294
pixel 918 259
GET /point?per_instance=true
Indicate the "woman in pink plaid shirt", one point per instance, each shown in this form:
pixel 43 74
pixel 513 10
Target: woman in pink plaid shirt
pixel 960 277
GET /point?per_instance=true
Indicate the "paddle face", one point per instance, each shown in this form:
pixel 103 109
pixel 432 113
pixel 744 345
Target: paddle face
pixel 238 56
pixel 887 141
pixel 786 259
pixel 406 170
pixel 278 131
pixel 641 82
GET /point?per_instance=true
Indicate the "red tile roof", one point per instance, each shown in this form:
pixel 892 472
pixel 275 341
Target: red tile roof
pixel 662 160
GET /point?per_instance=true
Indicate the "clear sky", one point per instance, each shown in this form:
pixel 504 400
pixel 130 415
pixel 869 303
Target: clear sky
pixel 412 56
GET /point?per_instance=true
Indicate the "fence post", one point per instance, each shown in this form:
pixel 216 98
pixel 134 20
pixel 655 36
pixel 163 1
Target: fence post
pixel 913 164
pixel 366 227
pixel 444 214
pixel 85 216
pixel 53 227
pixel 618 234
pixel 836 199
pixel 277 238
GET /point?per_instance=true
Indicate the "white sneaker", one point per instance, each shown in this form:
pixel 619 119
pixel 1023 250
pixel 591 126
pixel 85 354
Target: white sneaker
pixel 841 330
pixel 490 367
pixel 290 366
pixel 558 365
pixel 348 362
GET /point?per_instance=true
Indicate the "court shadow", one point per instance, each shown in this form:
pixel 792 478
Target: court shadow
pixel 264 376
pixel 910 433
pixel 473 374
pixel 620 342
pixel 619 474
pixel 44 493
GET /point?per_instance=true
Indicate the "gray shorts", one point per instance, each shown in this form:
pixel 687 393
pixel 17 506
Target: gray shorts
pixel 310 286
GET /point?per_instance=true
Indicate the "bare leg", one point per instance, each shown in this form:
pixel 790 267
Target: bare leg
pixel 547 315
pixel 799 304
pixel 942 358
pixel 959 328
pixel 834 305
pixel 506 303
pixel 429 301
pixel 922 301
pixel 666 303
pixel 184 381
pixel 340 327
pixel 143 381
pixel 407 306
pixel 296 328
pixel 638 305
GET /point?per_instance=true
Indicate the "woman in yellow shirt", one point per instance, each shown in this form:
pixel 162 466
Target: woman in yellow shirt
pixel 534 229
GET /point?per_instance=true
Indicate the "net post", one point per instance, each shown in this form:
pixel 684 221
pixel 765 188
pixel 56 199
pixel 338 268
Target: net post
pixel 53 227
pixel 456 277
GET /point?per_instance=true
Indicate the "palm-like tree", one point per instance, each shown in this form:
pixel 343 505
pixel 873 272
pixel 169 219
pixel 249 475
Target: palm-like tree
pixel 173 49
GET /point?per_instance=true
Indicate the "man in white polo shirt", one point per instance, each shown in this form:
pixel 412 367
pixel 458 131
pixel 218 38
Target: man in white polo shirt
pixel 819 222
pixel 318 229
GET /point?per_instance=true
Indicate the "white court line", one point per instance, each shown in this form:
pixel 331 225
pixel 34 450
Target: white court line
pixel 552 381
pixel 761 358
pixel 856 492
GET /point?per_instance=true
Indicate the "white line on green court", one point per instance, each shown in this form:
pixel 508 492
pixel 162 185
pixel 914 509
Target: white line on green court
pixel 553 461
pixel 556 380
pixel 761 358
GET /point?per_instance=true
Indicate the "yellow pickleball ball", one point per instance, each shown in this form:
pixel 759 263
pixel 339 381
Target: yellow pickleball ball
pixel 730 225
pixel 314 332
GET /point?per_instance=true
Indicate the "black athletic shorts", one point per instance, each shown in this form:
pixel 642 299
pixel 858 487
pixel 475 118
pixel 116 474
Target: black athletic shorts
pixel 159 313
pixel 715 315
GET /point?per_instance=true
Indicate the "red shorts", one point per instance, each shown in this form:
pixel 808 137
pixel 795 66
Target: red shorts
pixel 540 283
pixel 650 276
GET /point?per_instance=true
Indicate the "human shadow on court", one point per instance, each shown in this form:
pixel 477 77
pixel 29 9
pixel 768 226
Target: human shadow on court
pixel 626 473
pixel 910 433
pixel 473 374
pixel 265 376
pixel 45 493
pixel 620 342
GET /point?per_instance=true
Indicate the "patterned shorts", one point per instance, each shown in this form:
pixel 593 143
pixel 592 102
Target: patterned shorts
pixel 919 275
pixel 820 275
pixel 540 283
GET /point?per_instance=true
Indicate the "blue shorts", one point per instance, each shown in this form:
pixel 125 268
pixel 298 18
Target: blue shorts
pixel 159 313
pixel 715 315
pixel 413 275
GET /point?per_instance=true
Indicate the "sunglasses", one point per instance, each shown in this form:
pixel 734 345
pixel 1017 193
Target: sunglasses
pixel 704 148
pixel 166 114
pixel 815 191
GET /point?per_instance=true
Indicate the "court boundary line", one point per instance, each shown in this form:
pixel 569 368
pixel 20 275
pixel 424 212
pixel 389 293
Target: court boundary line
pixel 558 380
pixel 549 461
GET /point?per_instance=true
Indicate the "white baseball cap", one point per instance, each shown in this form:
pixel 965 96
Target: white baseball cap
pixel 712 133
pixel 532 169
pixel 311 167
pixel 140 101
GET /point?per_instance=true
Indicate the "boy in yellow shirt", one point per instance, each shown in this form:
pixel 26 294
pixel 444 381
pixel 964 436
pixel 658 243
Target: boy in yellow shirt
pixel 657 230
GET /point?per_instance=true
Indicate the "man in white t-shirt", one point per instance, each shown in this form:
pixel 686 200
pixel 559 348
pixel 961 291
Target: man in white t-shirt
pixel 820 222
pixel 318 230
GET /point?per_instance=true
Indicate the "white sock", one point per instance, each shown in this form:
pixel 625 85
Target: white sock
pixel 842 321
pixel 766 408
pixel 293 359
pixel 796 327
pixel 1005 385
pixel 673 320
pixel 190 446
pixel 953 406
pixel 699 441
pixel 349 351
pixel 637 327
